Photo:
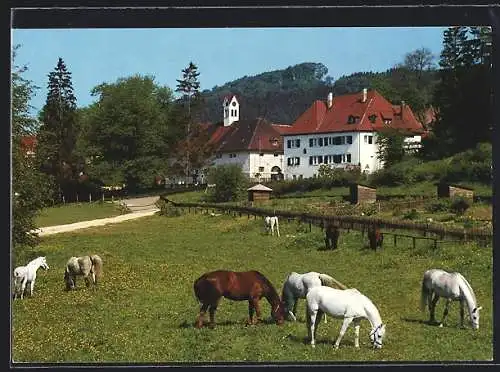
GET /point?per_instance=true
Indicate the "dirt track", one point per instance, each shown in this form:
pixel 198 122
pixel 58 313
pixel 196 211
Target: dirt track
pixel 140 207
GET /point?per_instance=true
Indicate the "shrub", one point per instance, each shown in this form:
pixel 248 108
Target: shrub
pixel 230 183
pixel 167 209
pixel 439 205
pixel 410 215
pixel 459 205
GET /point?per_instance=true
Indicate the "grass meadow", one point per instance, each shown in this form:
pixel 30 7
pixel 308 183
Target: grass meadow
pixel 75 212
pixel 145 307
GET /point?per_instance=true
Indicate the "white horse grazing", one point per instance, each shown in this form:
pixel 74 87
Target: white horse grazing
pixel 349 304
pixel 453 287
pixel 271 224
pixel 297 285
pixel 27 274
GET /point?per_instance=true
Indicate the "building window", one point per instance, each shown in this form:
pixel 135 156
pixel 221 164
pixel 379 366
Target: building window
pixel 350 119
pixel 368 139
pixel 372 118
pixel 226 113
pixel 304 151
pixel 339 140
pixel 320 141
pixel 313 142
pixel 315 160
pixel 297 143
pixel 300 176
pixel 232 155
pixel 261 154
pixel 218 155
pixel 261 169
pixel 276 154
pixel 337 159
pixel 348 140
pixel 235 112
pixel 297 161
pixel 294 177
pixel 348 158
pixel 293 161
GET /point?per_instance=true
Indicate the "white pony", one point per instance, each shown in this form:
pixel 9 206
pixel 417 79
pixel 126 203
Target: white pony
pixel 297 285
pixel 453 287
pixel 271 224
pixel 349 304
pixel 27 274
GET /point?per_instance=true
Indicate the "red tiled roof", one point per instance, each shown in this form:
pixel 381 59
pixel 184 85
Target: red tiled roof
pixel 247 135
pixel 319 119
pixel 281 128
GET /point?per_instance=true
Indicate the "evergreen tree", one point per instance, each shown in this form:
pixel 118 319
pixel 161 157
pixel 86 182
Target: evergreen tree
pixel 57 134
pixel 28 185
pixel 189 86
pixel 463 97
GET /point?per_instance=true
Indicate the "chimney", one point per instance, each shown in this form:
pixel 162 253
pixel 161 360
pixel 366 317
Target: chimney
pixel 329 100
pixel 365 92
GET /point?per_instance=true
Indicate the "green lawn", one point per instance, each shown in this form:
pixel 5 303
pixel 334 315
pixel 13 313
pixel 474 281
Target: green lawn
pixel 75 212
pixel 145 307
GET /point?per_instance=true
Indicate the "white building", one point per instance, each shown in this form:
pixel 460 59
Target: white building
pixel 342 132
pixel 255 145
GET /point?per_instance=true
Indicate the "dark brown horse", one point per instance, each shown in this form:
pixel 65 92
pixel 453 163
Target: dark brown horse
pixel 331 236
pixel 375 237
pixel 237 286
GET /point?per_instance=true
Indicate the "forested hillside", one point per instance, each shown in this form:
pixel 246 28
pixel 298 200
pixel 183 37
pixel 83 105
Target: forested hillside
pixel 282 95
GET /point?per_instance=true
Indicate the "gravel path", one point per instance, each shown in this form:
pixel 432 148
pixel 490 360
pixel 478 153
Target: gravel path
pixel 140 207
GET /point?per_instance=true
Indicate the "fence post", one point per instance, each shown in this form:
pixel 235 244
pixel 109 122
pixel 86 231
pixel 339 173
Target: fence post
pixel 310 226
pixel 64 200
pixel 414 242
pixel 103 197
pixel 395 236
pixel 90 198
pixel 435 244
pixel 77 197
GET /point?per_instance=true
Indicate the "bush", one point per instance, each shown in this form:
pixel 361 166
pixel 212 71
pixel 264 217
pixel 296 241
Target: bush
pixel 459 205
pixel 167 209
pixel 411 215
pixel 230 183
pixel 440 205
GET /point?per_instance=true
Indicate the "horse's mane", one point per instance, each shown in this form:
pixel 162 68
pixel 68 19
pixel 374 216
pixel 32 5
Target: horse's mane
pixel 266 281
pixel 468 286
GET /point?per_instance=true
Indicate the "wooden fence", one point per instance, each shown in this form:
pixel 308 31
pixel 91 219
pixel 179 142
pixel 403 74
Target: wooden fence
pixel 426 230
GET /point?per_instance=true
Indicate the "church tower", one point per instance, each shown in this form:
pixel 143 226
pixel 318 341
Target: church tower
pixel 231 109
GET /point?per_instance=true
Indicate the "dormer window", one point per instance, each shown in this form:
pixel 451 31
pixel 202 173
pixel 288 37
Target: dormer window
pixel 234 103
pixel 372 118
pixel 351 119
pixel 274 141
pixel 387 121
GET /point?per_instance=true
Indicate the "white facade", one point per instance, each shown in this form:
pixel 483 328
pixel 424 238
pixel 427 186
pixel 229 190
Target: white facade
pixel 231 110
pixel 252 163
pixel 306 152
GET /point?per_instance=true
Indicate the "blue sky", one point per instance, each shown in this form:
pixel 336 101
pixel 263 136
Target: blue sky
pixel 95 56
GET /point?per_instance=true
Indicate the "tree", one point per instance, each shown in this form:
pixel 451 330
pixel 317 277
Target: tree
pixel 128 132
pixel 464 94
pixel 57 134
pixel 28 186
pixel 418 61
pixel 230 183
pixel 189 86
pixel 390 147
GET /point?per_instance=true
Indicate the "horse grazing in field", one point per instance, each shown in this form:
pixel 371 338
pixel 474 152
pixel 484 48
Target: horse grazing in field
pixel 453 287
pixel 271 224
pixel 331 236
pixel 375 237
pixel 349 304
pixel 90 267
pixel 236 286
pixel 27 274
pixel 297 285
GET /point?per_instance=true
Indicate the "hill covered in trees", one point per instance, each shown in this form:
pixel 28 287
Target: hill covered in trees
pixel 282 95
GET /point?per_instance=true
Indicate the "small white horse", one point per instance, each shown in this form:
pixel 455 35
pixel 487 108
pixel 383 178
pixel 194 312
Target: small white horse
pixel 271 224
pixel 349 304
pixel 297 285
pixel 27 274
pixel 453 287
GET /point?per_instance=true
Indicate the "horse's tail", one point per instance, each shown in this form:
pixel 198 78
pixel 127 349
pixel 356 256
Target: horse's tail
pixel 424 294
pixel 97 265
pixel 328 281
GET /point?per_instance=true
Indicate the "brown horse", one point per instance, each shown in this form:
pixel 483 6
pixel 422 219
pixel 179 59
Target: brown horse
pixel 236 286
pixel 375 237
pixel 331 236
